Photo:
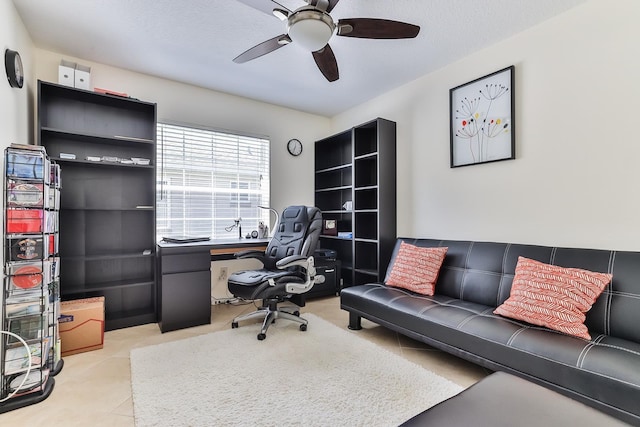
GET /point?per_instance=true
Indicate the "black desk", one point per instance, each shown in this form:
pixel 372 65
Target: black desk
pixel 184 272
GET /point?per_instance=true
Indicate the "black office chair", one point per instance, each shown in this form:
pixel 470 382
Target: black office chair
pixel 288 269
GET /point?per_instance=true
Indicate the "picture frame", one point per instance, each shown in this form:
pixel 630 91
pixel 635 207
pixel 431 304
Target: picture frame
pixel 330 227
pixel 482 119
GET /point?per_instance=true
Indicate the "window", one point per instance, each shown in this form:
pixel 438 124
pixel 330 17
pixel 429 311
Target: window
pixel 207 180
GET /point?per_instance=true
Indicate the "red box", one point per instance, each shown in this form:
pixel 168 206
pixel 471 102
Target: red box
pixel 24 220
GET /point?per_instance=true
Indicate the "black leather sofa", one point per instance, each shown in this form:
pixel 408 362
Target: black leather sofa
pixel 476 277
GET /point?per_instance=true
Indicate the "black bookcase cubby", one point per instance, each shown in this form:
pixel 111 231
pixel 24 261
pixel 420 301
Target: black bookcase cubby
pixel 106 145
pixel 355 184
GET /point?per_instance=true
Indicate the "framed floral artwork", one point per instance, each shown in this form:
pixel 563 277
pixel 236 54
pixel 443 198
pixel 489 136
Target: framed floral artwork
pixel 482 119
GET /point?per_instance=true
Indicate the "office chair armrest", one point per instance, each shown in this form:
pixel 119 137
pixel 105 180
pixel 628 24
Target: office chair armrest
pixel 293 260
pixel 250 253
pixel 307 263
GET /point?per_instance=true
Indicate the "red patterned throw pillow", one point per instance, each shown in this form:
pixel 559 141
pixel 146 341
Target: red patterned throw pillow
pixel 553 297
pixel 416 268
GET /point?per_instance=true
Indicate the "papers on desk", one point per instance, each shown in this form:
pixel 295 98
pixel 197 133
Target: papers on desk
pixel 185 239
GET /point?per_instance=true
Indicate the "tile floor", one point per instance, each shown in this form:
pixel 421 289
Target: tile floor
pixel 94 388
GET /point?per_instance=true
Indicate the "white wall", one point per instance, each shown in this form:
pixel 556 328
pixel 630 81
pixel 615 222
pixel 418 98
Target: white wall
pixel 16 105
pixel 291 178
pixel 576 177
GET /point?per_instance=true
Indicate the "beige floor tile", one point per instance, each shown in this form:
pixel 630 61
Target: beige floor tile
pixel 454 369
pixel 112 420
pixel 379 335
pixel 125 409
pixel 94 388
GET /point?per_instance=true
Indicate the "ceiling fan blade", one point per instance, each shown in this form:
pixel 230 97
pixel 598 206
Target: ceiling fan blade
pixel 262 49
pixel 326 62
pixel 370 28
pixel 265 6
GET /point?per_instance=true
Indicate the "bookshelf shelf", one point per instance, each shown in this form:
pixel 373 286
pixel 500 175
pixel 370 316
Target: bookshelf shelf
pixel 113 256
pixel 335 168
pixel 92 137
pixel 345 187
pixel 120 284
pixel 102 164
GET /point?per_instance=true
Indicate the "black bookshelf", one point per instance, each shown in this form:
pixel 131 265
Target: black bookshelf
pixel 355 185
pixel 107 208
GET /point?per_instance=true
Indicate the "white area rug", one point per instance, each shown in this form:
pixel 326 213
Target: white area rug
pixel 325 376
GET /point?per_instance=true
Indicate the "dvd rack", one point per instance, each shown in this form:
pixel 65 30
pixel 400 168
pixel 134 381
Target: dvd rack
pixel 30 341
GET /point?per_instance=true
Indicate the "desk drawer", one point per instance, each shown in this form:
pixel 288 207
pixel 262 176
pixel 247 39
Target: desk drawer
pixel 197 261
pixel 185 300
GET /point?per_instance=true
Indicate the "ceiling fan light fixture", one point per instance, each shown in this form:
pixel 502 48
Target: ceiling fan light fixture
pixel 310 29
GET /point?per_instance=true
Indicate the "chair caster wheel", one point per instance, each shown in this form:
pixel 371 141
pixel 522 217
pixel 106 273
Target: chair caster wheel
pixel 296 313
pixel 261 337
pixel 303 327
pixel 234 325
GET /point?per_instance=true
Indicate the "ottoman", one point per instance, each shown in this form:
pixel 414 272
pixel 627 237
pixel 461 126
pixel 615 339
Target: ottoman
pixel 502 399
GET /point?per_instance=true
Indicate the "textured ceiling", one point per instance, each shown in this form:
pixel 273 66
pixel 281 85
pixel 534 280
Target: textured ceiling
pixel 194 41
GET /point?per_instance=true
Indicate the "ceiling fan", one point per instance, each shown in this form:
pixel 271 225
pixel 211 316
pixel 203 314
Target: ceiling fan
pixel 312 27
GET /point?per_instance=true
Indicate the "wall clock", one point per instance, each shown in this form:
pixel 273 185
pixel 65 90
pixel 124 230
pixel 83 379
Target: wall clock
pixel 294 146
pixel 13 67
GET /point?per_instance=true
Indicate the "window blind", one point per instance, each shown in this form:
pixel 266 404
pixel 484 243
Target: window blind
pixel 208 179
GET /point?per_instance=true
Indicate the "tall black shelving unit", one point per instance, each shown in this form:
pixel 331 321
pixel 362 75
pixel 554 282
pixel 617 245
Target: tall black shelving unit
pixel 106 145
pixel 30 291
pixel 355 185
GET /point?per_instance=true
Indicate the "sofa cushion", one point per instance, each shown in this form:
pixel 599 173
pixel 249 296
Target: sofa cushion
pixel 416 268
pixel 552 296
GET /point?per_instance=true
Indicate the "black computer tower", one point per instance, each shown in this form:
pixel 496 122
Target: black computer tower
pixel 328 266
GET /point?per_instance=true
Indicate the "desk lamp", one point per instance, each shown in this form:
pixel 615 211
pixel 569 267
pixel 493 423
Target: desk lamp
pixel 275 212
pixel 235 225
